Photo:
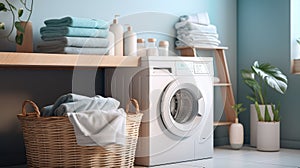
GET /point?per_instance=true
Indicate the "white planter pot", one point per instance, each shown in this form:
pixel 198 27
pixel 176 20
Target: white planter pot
pixel 236 135
pixel 268 136
pixel 254 120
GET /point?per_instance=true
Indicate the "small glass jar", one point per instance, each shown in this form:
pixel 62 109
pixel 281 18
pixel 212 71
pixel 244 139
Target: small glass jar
pixel 152 49
pixel 141 47
pixel 163 48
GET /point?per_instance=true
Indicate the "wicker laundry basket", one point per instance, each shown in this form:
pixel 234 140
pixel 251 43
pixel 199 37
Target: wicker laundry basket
pixel 51 142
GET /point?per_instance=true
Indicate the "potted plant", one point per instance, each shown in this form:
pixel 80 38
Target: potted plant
pixel 23 27
pixel 264 117
pixel 236 130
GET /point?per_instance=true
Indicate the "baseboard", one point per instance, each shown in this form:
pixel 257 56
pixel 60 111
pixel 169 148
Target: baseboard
pixel 221 141
pixel 291 144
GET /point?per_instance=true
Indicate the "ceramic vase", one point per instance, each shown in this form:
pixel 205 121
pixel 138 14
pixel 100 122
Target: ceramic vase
pixel 236 135
pixel 268 136
pixel 27 45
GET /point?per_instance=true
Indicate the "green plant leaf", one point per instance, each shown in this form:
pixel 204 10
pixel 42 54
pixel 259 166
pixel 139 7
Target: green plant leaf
pixel 259 116
pixel 251 98
pixel 19 39
pixel 20 12
pixel 276 112
pixel 19 27
pixel 2 25
pixel 267 114
pixel 272 76
pixel 3 7
pixel 298 41
pixel 247 74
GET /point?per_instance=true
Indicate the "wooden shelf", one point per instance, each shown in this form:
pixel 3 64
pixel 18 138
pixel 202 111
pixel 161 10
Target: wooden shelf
pixel 65 60
pixel 221 66
pixel 222 123
pixel 222 84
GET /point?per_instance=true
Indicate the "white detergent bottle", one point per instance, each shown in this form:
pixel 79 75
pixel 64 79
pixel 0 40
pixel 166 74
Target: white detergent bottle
pixel 117 30
pixel 111 47
pixel 130 42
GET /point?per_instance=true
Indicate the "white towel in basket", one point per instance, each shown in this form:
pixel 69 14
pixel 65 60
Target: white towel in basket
pixel 99 127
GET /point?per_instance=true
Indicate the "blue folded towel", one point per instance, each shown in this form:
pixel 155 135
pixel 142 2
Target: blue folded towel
pixel 73 32
pixel 75 42
pixel 77 22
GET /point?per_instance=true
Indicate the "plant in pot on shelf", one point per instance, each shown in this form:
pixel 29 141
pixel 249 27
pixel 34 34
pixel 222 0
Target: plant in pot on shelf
pixel 264 116
pixel 236 130
pixel 23 36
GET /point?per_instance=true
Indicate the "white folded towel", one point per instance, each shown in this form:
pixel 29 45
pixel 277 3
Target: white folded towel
pixel 194 32
pixel 200 18
pixel 204 44
pixel 199 41
pixel 192 26
pixel 99 127
pixel 197 37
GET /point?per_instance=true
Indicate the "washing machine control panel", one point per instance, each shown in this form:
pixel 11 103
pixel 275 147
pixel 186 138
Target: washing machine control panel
pixel 201 68
pixel 190 68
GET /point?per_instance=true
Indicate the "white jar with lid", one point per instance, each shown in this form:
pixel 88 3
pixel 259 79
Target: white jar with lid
pixel 141 47
pixel 152 49
pixel 163 48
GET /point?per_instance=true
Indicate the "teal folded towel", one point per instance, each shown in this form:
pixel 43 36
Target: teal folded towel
pixel 73 32
pixel 77 22
pixel 75 42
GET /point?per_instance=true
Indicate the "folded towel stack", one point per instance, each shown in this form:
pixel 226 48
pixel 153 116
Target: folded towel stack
pixel 72 35
pixel 196 30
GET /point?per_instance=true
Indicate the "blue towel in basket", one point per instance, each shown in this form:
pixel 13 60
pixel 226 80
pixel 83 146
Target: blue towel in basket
pixel 97 121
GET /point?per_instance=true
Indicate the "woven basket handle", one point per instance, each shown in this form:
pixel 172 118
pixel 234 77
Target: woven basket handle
pixel 135 104
pixel 35 107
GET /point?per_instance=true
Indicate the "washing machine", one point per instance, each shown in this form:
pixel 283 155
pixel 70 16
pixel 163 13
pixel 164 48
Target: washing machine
pixel 176 97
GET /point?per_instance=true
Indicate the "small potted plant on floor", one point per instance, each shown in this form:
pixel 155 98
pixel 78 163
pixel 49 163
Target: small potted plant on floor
pixel 23 27
pixel 236 130
pixel 264 117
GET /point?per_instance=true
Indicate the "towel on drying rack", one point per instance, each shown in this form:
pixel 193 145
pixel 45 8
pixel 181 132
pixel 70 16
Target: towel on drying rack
pixel 77 22
pixel 73 32
pixel 75 42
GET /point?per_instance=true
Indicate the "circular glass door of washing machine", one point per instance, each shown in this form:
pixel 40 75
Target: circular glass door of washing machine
pixel 182 108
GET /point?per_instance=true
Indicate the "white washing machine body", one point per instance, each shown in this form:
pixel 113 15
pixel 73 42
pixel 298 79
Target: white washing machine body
pixel 176 97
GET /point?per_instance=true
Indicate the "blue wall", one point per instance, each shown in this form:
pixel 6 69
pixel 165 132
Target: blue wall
pixel 264 35
pixel 44 86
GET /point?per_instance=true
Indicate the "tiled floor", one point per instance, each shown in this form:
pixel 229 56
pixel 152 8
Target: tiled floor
pixel 247 157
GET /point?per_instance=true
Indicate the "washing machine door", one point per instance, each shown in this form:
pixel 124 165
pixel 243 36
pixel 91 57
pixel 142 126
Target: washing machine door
pixel 182 108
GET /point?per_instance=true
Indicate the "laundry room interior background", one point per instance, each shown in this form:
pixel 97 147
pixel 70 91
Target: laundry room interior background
pixel 44 86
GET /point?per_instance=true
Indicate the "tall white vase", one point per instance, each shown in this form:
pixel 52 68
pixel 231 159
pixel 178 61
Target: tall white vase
pixel 254 120
pixel 268 136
